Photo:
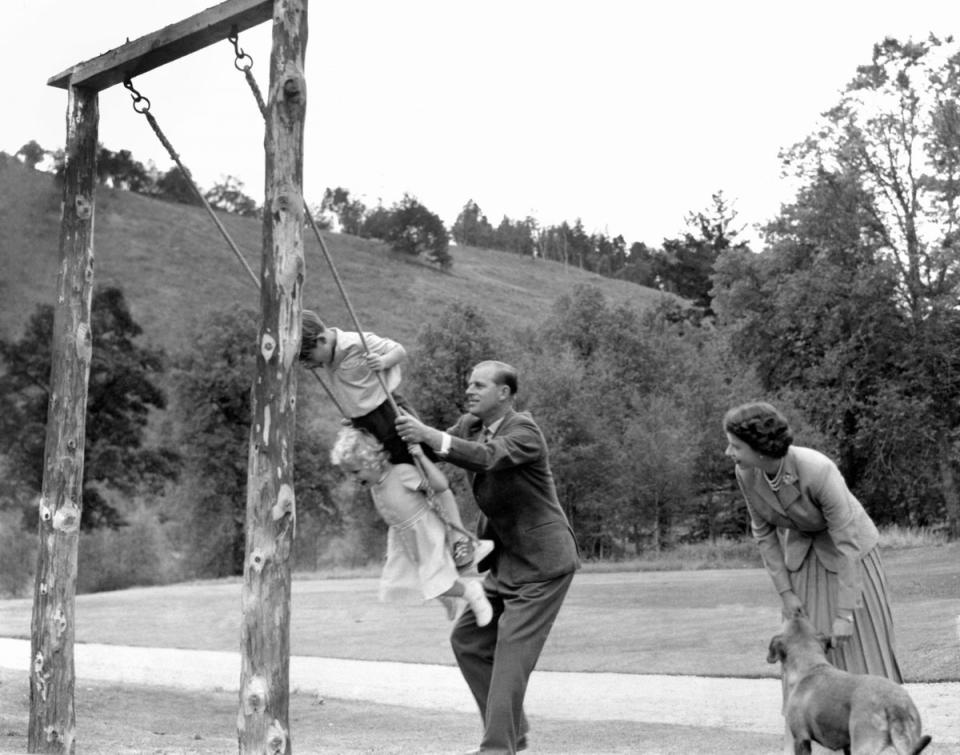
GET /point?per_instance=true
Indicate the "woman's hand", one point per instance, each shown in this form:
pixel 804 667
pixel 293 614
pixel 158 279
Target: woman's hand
pixel 841 632
pixel 792 606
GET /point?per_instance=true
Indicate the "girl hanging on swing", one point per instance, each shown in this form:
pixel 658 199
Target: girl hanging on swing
pixel 419 563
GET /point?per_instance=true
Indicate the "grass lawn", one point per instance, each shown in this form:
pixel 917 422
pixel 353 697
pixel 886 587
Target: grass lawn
pixel 713 622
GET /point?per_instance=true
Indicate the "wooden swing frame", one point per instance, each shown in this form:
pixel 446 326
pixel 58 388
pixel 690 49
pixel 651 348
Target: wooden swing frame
pixel 263 717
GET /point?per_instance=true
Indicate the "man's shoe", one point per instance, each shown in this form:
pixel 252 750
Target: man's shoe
pixel 521 745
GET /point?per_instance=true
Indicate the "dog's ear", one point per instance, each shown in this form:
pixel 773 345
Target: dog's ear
pixel 776 650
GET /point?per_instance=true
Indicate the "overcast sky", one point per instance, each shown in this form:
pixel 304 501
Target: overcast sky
pixel 627 114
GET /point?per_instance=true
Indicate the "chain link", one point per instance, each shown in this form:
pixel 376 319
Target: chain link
pixel 137 98
pixel 242 62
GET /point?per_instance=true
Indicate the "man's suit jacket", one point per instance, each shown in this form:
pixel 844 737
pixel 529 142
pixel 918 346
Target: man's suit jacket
pixel 517 497
pixel 815 509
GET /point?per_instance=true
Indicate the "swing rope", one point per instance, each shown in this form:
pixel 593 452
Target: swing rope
pixel 244 63
pixel 141 105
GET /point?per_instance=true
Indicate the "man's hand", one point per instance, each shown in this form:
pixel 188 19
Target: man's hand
pixel 412 430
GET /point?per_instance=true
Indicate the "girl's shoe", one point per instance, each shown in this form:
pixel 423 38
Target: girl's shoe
pixel 476 598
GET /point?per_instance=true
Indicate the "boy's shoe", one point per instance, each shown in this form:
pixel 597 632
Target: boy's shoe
pixel 463 552
pixel 476 598
pixel 481 549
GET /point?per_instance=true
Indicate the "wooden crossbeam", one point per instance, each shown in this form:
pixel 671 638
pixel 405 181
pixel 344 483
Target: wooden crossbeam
pixel 161 47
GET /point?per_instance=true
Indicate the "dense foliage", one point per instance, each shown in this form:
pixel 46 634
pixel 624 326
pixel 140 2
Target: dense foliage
pixel 853 306
pixel 123 391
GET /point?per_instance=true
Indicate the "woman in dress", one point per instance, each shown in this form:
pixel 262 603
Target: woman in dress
pixel 817 541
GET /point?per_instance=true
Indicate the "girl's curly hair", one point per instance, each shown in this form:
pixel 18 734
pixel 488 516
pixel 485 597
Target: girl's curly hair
pixel 354 446
pixel 760 426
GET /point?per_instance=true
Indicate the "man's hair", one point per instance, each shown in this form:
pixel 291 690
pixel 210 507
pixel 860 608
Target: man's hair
pixel 355 446
pixel 760 426
pixel 311 328
pixel 503 374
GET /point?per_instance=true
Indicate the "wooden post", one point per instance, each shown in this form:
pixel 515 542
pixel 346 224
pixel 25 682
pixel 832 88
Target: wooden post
pixel 52 716
pixel 263 718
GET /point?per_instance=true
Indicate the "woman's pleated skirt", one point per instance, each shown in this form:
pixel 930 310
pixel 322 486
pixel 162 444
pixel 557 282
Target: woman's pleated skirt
pixel 871 649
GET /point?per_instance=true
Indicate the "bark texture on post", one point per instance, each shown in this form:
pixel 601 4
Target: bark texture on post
pixel 263 717
pixel 52 716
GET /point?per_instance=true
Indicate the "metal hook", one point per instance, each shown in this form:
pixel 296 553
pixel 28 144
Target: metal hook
pixel 243 62
pixel 137 97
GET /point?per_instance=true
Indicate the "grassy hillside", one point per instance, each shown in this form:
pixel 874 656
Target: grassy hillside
pixel 173 267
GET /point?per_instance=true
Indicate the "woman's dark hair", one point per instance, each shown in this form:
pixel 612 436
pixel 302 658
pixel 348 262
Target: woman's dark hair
pixel 760 426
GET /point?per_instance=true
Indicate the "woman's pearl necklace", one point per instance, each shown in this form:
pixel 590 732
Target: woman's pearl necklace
pixel 776 481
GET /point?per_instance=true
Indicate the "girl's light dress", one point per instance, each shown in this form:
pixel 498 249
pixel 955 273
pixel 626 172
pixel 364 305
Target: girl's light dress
pixel 419 565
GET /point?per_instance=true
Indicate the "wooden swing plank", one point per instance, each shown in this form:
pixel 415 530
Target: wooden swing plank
pixel 163 46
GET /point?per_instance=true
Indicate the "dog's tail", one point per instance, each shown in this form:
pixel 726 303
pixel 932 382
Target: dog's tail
pixel 903 725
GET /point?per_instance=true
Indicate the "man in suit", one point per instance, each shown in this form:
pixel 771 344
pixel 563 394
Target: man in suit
pixel 535 554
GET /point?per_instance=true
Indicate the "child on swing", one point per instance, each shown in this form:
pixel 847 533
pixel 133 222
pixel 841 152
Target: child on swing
pixel 418 562
pixel 351 372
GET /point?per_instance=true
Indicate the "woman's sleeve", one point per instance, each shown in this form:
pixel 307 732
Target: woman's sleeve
pixel 837 504
pixel 771 551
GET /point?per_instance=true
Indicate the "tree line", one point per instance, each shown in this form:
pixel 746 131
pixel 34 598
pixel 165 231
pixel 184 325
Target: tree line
pixel 848 319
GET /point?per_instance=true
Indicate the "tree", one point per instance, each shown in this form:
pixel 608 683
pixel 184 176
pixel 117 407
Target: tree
pixel 895 134
pixel 32 154
pixel 515 236
pixel 414 230
pixel 685 265
pixel 377 223
pixel 174 186
pixel 446 352
pixel 816 314
pixel 639 265
pixel 471 228
pixel 120 170
pixel 658 469
pixel 213 380
pixel 605 381
pixel 349 212
pixel 122 392
pixel 228 195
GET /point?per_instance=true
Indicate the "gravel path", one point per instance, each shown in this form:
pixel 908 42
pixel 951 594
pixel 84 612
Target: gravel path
pixel 751 705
